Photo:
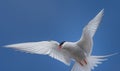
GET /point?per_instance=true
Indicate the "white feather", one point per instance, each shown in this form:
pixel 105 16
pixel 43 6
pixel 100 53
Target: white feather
pixel 44 47
pixel 92 61
pixel 86 41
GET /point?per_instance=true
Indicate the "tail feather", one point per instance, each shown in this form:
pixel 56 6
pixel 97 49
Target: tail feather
pixel 92 61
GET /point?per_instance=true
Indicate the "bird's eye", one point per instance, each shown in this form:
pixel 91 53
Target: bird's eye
pixel 62 43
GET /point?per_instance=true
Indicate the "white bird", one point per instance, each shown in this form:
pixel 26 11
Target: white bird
pixel 79 51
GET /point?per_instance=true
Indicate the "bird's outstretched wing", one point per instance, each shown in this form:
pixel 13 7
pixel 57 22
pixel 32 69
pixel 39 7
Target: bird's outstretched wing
pixel 44 47
pixel 86 40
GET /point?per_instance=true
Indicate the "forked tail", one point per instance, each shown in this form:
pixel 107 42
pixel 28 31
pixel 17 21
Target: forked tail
pixel 92 61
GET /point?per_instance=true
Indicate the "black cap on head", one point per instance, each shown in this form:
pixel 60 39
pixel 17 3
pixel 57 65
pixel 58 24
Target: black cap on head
pixel 62 43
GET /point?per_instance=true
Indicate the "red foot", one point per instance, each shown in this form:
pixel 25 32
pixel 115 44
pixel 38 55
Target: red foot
pixel 83 62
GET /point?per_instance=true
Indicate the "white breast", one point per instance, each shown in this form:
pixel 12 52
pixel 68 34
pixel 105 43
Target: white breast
pixel 75 51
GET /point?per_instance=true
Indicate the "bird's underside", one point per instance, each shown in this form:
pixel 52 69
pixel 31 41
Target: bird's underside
pixel 76 52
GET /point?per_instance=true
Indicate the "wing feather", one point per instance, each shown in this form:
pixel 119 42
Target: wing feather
pixel 44 47
pixel 86 41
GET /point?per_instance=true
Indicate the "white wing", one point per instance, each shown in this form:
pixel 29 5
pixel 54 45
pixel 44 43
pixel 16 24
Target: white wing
pixel 86 40
pixel 44 47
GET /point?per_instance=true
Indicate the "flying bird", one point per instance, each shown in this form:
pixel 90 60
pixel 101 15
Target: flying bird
pixel 79 51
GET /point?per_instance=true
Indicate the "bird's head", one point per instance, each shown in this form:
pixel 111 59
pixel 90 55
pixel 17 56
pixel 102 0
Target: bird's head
pixel 61 44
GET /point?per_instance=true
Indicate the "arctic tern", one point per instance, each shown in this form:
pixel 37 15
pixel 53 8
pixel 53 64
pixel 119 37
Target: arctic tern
pixel 79 51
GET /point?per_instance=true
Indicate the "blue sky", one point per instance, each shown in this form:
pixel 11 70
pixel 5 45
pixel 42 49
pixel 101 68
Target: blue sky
pixel 37 20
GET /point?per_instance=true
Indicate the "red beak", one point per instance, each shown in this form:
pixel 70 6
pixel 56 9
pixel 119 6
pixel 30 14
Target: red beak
pixel 59 47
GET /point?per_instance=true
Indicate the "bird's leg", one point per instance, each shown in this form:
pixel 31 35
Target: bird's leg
pixel 83 62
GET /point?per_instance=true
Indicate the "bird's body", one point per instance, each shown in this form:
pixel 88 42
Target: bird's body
pixel 76 52
pixel 79 51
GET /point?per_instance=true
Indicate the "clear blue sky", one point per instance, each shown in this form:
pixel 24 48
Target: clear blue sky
pixel 37 20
